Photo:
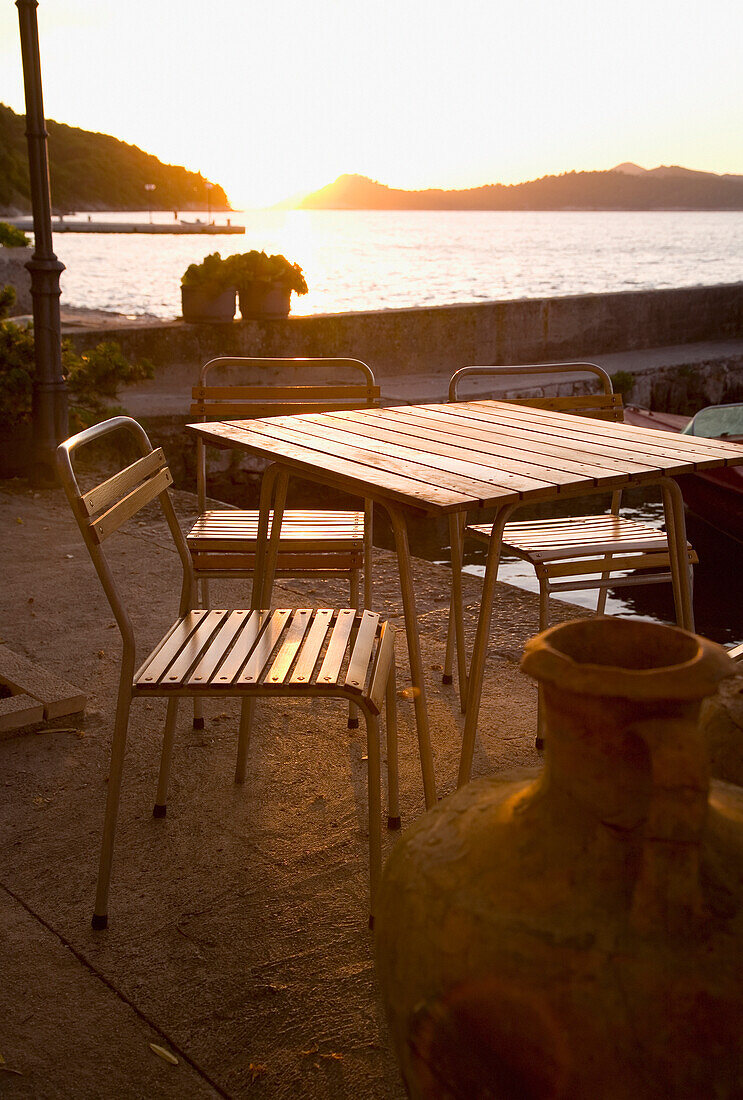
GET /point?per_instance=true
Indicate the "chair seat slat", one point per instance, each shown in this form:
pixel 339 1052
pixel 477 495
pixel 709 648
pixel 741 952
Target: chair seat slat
pixel 225 675
pixel 336 651
pixel 289 647
pixel 358 666
pixel 310 651
pixel 160 659
pixel 206 667
pixel 195 646
pixel 263 648
pixel 576 536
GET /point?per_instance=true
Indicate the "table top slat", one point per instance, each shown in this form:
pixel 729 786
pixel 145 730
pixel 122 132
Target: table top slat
pixel 414 465
pixel 607 451
pixel 474 466
pixel 718 451
pixel 362 478
pixel 513 445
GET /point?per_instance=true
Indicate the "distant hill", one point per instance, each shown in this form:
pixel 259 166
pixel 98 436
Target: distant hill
pixel 90 171
pixel 626 187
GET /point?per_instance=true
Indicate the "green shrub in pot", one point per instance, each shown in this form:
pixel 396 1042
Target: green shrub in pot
pixel 207 290
pixel 265 283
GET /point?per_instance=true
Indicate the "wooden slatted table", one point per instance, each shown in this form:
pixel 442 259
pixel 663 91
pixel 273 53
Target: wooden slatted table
pixel 463 457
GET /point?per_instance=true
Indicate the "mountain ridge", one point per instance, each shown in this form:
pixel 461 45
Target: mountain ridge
pixel 626 187
pixel 93 171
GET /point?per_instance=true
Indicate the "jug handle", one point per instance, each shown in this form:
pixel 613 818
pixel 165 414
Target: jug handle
pixel 667 896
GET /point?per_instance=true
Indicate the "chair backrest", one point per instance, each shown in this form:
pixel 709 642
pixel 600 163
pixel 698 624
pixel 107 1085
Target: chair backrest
pixel 102 510
pixel 605 405
pixel 262 399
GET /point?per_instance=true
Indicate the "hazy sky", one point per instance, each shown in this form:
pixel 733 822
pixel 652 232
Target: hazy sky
pixel 280 97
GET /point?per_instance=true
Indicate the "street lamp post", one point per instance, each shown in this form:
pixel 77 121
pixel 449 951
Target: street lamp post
pixel 49 401
pixel 149 188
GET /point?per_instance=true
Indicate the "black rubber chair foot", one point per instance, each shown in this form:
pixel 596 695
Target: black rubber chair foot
pixel 159 811
pixel 371 922
pixel 198 723
pixel 539 743
pixel 353 723
pixel 394 823
pixel 447 679
pixel 99 923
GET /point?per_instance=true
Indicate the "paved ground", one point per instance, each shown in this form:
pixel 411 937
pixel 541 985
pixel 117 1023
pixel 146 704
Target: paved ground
pixel 238 937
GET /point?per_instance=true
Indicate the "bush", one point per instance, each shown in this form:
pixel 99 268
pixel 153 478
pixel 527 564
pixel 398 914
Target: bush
pixel 93 378
pixel 214 274
pixel 254 266
pixel 623 382
pixel 10 237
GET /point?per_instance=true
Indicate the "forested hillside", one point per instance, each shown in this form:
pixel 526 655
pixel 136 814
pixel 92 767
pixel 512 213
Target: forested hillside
pixel 618 189
pixel 91 171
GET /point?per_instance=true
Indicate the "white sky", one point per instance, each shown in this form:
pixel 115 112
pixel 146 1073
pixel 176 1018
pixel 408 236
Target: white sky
pixel 278 97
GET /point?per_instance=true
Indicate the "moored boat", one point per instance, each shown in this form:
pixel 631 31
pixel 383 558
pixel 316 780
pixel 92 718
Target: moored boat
pixel 716 496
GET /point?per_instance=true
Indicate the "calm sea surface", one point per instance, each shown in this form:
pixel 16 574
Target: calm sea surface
pixel 358 260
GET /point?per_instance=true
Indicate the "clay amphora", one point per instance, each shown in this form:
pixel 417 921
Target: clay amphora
pixel 577 932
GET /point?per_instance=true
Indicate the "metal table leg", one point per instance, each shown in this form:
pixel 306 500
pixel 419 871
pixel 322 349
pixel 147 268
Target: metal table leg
pixel 414 652
pixel 482 636
pixel 273 495
pixel 673 508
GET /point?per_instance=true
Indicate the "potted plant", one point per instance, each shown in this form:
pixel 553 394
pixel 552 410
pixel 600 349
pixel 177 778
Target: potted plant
pixel 207 291
pixel 265 283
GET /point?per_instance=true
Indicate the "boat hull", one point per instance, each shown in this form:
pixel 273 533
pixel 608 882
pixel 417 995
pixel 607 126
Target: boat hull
pixel 715 496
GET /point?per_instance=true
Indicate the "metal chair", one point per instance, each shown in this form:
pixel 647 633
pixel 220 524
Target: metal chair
pixel 577 552
pixel 314 542
pixel 216 653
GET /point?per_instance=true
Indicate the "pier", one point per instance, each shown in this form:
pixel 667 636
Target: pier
pixel 59 225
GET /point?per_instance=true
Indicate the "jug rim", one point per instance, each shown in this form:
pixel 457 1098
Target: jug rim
pixel 642 660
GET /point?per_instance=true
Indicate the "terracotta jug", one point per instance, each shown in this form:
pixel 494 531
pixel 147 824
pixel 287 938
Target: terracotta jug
pixel 577 931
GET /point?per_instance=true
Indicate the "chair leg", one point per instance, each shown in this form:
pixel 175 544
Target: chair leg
pixel 198 704
pixel 116 767
pixel 544 618
pixel 448 676
pixel 455 629
pixel 247 710
pixel 393 786
pixel 368 551
pixel 161 799
pixel 603 592
pixel 353 712
pixel 375 810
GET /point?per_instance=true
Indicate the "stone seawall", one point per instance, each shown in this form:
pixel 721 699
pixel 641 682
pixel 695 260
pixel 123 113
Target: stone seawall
pixel 440 339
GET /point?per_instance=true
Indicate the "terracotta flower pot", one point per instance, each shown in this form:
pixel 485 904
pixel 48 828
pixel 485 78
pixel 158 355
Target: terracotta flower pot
pixel 264 301
pixel 199 305
pixel 578 931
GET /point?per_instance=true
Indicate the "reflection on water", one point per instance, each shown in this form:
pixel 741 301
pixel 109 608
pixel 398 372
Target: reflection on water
pixel 718 585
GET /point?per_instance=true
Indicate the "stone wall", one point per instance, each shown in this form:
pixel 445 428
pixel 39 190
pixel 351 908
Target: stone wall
pixel 13 272
pixel 440 339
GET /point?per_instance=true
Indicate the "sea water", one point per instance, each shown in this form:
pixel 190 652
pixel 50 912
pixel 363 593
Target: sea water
pixel 370 259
